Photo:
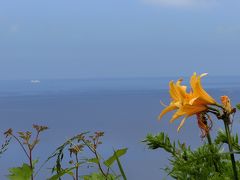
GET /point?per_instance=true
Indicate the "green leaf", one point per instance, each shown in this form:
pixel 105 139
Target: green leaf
pixel 20 173
pixel 238 106
pixel 93 160
pixel 62 173
pixel 4 146
pixel 120 166
pixel 222 138
pixel 162 141
pixel 98 176
pixel 113 158
pixel 59 153
pixel 34 162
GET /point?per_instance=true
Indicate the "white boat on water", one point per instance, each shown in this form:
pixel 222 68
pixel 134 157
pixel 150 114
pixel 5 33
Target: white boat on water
pixel 35 81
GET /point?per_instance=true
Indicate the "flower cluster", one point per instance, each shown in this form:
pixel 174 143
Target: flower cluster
pixel 195 102
pixel 187 103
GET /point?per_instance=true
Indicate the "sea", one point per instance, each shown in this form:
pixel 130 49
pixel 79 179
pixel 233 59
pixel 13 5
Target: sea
pixel 126 109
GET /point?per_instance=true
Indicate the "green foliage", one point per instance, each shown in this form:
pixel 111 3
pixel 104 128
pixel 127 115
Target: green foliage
pixel 99 176
pixel 62 173
pixel 160 140
pixel 78 145
pixel 114 157
pixel 59 153
pixel 198 164
pixel 5 145
pixel 238 106
pixel 75 146
pixel 28 143
pixel 119 163
pixel 20 173
pixel 206 162
pixel 222 139
pixel 93 160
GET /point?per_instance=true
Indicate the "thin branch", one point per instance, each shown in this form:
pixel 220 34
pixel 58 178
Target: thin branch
pixel 25 151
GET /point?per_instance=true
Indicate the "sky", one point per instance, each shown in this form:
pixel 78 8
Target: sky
pixel 51 39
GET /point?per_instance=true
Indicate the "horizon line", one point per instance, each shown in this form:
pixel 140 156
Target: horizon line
pixel 113 78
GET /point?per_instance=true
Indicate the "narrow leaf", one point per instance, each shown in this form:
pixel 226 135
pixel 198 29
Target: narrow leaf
pixel 61 173
pixel 93 160
pixel 120 166
pixel 117 153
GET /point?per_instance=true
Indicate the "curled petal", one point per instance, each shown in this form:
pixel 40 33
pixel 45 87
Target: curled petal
pixel 173 91
pixel 166 110
pixel 178 114
pixel 181 89
pixel 198 90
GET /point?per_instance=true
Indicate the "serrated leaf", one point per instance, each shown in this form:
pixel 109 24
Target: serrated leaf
pixel 20 173
pixel 118 153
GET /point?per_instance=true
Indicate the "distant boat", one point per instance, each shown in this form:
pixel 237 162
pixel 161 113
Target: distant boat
pixel 35 81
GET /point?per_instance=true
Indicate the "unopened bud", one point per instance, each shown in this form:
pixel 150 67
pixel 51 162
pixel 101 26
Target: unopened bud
pixel 226 104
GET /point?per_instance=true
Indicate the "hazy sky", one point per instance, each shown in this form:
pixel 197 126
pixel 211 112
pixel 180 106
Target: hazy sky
pixel 118 38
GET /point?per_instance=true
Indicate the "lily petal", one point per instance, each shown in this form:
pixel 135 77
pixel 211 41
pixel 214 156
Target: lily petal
pixel 198 91
pixel 177 115
pixel 166 110
pixel 173 91
pixel 191 109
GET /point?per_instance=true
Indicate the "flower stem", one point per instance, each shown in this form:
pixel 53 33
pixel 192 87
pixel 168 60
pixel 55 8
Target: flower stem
pixel 77 162
pixel 226 120
pixel 25 151
pixel 30 162
pixel 219 105
pixel 210 143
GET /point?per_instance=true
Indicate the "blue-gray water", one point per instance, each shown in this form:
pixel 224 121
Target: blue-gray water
pixel 125 109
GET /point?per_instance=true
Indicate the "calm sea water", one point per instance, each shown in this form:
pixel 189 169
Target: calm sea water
pixel 125 109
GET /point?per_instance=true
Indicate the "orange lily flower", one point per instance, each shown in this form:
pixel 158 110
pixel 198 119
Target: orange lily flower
pixel 187 104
